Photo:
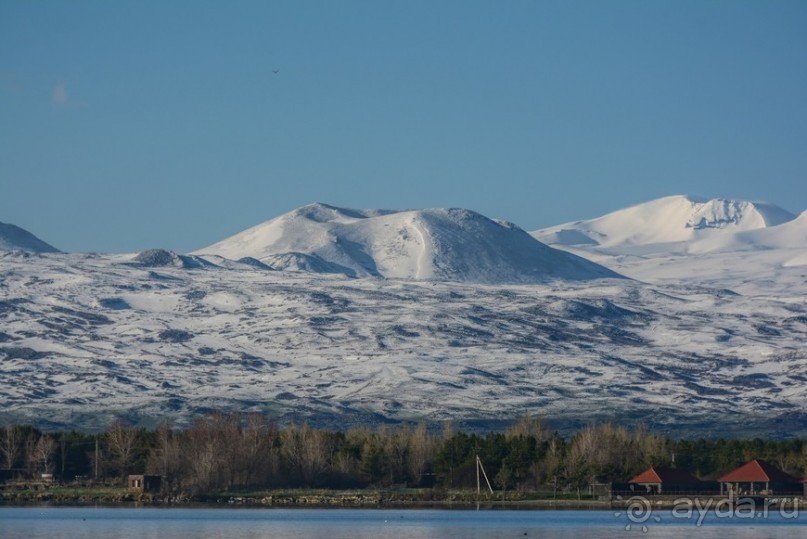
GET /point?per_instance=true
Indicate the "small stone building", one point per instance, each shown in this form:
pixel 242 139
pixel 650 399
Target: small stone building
pixel 145 483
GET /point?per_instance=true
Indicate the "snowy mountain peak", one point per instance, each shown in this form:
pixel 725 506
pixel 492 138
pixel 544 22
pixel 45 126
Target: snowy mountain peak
pixel 14 238
pixel 433 244
pixel 325 213
pixel 791 234
pixel 722 213
pixel 679 218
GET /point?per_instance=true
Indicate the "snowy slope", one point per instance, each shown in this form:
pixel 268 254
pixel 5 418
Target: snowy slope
pixel 669 220
pixel 745 246
pixel 433 245
pixel 86 337
pixel 789 235
pixel 13 238
pixel 698 337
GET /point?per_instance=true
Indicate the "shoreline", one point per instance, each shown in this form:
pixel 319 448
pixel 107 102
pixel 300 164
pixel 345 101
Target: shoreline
pixel 357 499
pixel 365 499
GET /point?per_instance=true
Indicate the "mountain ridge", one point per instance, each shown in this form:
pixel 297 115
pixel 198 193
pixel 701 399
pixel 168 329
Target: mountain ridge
pixel 444 244
pixel 677 219
pixel 693 339
pixel 13 237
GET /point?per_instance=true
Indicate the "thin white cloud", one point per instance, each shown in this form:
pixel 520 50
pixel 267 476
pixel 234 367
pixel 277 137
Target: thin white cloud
pixel 60 98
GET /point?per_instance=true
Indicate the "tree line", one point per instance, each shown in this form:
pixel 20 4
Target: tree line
pixel 239 452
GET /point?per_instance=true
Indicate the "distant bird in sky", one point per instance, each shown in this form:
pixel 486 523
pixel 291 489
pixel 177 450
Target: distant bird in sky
pixel 275 71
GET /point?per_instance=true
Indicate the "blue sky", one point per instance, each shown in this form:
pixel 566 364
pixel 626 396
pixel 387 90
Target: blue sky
pixel 131 125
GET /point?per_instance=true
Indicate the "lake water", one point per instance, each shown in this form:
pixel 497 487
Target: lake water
pixel 219 523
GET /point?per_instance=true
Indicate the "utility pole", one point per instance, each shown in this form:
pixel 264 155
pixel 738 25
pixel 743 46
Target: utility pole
pixel 485 475
pixel 96 458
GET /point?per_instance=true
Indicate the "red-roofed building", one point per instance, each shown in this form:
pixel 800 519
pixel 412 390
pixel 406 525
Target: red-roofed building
pixel 759 477
pixel 658 480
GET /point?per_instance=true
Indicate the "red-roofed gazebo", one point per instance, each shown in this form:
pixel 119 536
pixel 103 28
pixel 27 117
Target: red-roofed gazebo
pixel 661 479
pixel 759 477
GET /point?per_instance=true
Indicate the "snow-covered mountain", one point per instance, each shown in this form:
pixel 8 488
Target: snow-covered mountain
pixel 791 234
pixel 657 224
pixel 84 338
pixel 712 329
pixel 430 245
pixel 13 238
pixel 737 244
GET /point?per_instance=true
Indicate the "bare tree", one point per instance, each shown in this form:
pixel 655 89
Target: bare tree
pixel 29 452
pixel 553 462
pixel 306 450
pixel 316 453
pixel 448 431
pixel 10 446
pixel 121 440
pixel 609 450
pixel 224 451
pixel 650 449
pixel 162 457
pixel 227 451
pixel 398 453
pixel 421 451
pixel 201 453
pixel 165 458
pixel 346 462
pixel 44 450
pixel 529 426
pixel 291 449
pixel 258 461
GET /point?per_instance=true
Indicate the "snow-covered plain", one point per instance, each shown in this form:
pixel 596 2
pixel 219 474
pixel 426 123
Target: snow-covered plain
pixel 693 340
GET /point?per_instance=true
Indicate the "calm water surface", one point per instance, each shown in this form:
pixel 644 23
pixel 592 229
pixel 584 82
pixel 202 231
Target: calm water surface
pixel 127 523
